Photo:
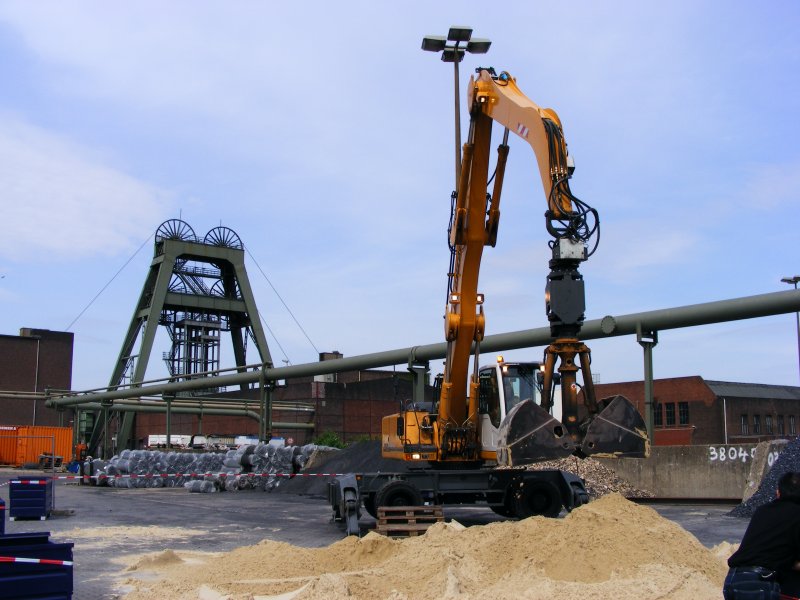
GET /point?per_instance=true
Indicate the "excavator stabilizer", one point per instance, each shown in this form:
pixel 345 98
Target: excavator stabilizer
pixel 618 431
pixel 530 434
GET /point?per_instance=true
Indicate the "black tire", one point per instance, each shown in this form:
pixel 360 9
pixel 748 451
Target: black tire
pixel 397 493
pixel 537 498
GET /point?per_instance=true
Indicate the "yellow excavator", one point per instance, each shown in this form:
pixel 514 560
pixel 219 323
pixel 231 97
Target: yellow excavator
pixel 454 434
pixel 503 415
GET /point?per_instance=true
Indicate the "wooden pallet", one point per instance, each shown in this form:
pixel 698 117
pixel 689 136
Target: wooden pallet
pixel 407 521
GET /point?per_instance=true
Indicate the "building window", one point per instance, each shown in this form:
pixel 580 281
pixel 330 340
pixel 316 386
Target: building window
pixel 781 430
pixel 683 413
pixel 670 406
pixel 768 424
pixel 745 429
pixel 756 424
pixel 658 420
pixel 792 426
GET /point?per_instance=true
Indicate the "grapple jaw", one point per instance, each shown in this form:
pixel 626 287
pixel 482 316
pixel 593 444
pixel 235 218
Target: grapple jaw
pixel 530 434
pixel 617 431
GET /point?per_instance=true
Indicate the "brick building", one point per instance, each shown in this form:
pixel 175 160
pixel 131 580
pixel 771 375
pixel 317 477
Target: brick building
pixel 33 362
pixel 350 405
pixel 693 410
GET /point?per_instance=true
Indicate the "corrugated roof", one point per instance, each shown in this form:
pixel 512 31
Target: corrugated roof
pixel 729 389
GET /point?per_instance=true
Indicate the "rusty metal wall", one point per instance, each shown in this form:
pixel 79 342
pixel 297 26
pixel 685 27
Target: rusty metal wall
pixel 8 444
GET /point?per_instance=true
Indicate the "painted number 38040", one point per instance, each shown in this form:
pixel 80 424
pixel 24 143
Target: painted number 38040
pixel 734 453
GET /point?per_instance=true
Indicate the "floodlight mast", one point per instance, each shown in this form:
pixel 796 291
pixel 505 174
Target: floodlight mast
pixel 794 281
pixel 454 53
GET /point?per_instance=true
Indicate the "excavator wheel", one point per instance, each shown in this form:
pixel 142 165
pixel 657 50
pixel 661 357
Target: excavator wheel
pixel 398 493
pixel 536 498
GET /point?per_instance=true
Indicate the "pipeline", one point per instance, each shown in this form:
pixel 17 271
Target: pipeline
pixel 735 309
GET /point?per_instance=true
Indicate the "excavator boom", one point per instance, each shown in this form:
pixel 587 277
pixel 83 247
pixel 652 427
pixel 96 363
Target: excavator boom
pixel 451 432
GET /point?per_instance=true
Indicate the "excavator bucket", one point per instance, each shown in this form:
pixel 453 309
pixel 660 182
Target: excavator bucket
pixel 530 434
pixel 618 431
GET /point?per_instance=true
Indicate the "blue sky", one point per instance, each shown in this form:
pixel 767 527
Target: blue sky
pixel 323 135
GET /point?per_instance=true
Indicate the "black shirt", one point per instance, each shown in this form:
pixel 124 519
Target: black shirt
pixel 772 541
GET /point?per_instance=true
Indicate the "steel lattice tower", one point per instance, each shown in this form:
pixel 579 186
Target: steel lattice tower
pixel 196 289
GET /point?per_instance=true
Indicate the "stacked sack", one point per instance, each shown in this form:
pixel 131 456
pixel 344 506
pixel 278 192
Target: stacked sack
pixel 252 466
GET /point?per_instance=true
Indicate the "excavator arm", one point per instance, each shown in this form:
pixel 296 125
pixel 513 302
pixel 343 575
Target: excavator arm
pixel 529 433
pixel 449 435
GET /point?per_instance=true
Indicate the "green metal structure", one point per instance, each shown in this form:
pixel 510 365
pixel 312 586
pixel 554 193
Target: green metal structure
pixel 195 289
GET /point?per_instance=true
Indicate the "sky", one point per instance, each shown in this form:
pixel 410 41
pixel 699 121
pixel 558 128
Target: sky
pixel 322 135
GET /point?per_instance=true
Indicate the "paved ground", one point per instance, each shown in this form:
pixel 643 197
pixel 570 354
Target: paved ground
pixel 232 519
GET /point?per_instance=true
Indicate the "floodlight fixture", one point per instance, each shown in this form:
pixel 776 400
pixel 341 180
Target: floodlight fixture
pixel 459 33
pixel 458 42
pixel 434 43
pixel 453 54
pixel 478 46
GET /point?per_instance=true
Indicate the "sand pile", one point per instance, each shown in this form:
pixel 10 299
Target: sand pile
pixel 609 548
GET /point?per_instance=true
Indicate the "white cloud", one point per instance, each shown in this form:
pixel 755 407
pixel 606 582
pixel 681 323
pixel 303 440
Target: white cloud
pixel 627 249
pixel 60 202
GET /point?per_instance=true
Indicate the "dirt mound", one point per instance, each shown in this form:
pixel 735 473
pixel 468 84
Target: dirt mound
pixel 609 548
pixel 154 561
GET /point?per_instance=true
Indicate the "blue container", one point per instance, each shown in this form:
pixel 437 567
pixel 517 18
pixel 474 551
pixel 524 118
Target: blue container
pixel 35 580
pixel 30 498
pixel 2 516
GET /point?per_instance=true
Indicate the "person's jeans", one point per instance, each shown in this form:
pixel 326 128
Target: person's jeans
pixel 751 583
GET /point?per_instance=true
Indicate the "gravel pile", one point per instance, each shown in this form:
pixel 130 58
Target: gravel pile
pixel 600 479
pixel 788 460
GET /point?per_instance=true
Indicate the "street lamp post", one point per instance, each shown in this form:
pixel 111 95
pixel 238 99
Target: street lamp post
pixel 793 281
pixel 454 53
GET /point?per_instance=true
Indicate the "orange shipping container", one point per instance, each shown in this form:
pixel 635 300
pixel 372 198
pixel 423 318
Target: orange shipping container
pixel 8 444
pixel 32 442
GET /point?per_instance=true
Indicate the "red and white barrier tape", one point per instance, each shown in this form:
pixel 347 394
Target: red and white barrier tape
pixel 36 561
pixel 152 475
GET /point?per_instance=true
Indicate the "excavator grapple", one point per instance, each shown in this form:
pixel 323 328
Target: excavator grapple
pixel 618 431
pixel 530 434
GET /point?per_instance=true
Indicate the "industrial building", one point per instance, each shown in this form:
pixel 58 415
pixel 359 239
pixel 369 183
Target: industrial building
pixel 350 406
pixel 687 410
pixel 34 362
pixel 693 410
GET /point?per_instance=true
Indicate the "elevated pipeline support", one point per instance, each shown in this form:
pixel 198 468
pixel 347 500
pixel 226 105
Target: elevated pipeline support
pixel 721 311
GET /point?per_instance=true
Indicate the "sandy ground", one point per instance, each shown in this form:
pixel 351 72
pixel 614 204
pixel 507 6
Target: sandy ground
pixel 608 549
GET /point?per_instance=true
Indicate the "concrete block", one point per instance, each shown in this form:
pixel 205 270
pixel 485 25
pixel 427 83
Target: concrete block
pixel 693 472
pixel 766 453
